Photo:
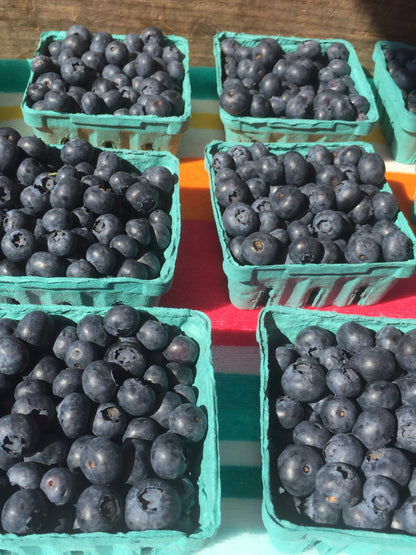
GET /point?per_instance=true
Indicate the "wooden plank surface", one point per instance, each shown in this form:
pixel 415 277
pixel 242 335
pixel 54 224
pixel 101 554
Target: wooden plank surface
pixel 362 22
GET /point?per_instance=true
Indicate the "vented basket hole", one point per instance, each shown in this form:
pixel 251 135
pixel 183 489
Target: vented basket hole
pixel 64 140
pixel 312 296
pixel 148 146
pixel 357 294
pixel 108 144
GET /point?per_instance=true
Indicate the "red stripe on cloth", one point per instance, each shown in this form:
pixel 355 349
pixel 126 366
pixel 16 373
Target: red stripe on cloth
pixel 200 283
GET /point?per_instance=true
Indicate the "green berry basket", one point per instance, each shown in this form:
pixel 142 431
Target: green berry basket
pixel 269 130
pixel 397 122
pixel 158 542
pixel 287 531
pixel 105 291
pixel 106 130
pixel 297 285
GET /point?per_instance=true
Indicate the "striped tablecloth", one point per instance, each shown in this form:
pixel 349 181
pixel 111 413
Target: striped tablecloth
pixel 200 284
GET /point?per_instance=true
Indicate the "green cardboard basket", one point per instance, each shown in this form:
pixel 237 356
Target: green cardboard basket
pixel 288 533
pixel 269 130
pixel 157 542
pixel 297 285
pixel 107 130
pixel 398 124
pixel 105 291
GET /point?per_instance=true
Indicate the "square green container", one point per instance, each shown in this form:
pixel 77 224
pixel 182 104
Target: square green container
pixel 275 327
pixel 269 130
pixel 107 130
pixel 105 291
pixel 398 124
pixel 297 285
pixel 196 325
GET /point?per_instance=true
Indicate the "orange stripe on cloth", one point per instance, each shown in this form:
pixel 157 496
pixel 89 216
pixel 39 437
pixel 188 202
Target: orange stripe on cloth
pixel 194 183
pixel 403 186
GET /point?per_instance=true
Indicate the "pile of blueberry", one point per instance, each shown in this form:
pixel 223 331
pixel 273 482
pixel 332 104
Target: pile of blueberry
pixel 324 207
pixel 97 74
pixel 79 211
pixel 263 81
pixel 401 64
pixel 100 428
pixel 343 424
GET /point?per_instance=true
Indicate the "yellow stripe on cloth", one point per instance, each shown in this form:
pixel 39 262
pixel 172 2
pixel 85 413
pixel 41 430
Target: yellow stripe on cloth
pixel 202 120
pixel 10 112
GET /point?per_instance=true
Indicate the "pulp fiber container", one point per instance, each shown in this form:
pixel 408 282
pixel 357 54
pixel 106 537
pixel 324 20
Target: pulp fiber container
pixel 287 531
pixel 105 291
pixel 397 122
pixel 245 128
pixel 106 130
pixel 157 542
pixel 297 285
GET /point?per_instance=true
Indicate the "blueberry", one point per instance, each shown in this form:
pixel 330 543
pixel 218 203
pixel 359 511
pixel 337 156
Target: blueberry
pixel 168 456
pixel 298 466
pixel 343 381
pixel 136 398
pixel 66 336
pixel 374 427
pixel 101 257
pixel 305 250
pixel 67 381
pixel 46 369
pixel 289 412
pixel 58 484
pixel 344 448
pixel 381 493
pixel 321 512
pixel 188 421
pixel 35 328
pixel 396 247
pixel 304 380
pixel 109 421
pixel 75 151
pixel 388 337
pixel 18 436
pixel 67 193
pixel 406 433
pixel 235 99
pixel 73 412
pixel 25 475
pixel 39 406
pixel 18 244
pixel 260 248
pixel 73 459
pixel 80 353
pixel 363 515
pixel 380 393
pixel 165 405
pixel 338 414
pixel 107 226
pixel 25 512
pixel 143 428
pixel 313 340
pixel 371 169
pixel 101 461
pixel 374 363
pixel 14 356
pixel 352 337
pixel 339 484
pixel 182 349
pixel 99 509
pixel 311 433
pixel 152 504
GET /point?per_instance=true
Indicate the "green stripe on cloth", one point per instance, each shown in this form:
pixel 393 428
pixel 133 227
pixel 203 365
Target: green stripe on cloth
pixel 203 82
pixel 14 75
pixel 241 481
pixel 238 407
